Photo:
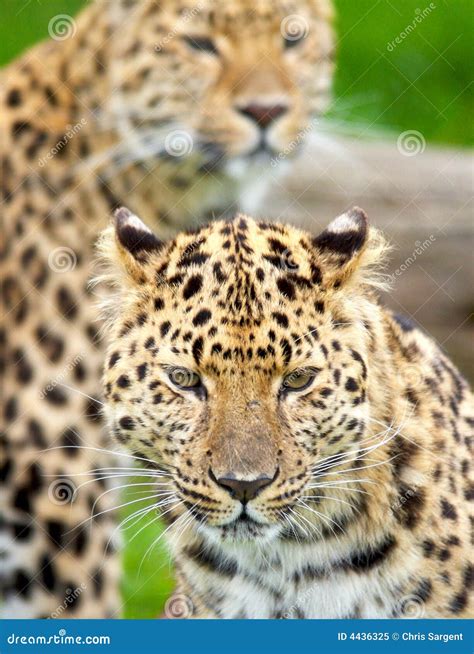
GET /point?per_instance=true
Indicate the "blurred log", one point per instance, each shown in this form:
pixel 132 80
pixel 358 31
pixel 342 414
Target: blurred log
pixel 423 203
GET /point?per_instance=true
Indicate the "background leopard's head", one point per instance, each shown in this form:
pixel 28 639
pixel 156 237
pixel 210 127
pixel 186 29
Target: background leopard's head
pixel 239 359
pixel 218 80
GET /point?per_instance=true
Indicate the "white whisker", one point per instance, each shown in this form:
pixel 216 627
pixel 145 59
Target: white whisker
pixel 76 390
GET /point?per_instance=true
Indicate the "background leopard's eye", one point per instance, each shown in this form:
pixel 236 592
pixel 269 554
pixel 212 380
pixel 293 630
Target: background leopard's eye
pixel 293 40
pixel 201 43
pixel 298 380
pixel 184 378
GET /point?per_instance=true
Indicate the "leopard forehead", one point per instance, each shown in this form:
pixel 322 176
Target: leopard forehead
pixel 242 267
pixel 232 16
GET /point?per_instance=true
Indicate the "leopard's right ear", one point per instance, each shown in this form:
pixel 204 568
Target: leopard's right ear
pixel 127 247
pixel 126 262
pixel 134 236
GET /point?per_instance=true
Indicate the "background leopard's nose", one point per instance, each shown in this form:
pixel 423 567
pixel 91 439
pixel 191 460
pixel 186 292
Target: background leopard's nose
pixel 263 114
pixel 243 489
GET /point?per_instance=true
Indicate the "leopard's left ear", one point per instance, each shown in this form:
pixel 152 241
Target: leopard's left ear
pixel 345 236
pixel 349 250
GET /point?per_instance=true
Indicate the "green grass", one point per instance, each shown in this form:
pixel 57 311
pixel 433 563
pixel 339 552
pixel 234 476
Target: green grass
pixel 422 84
pixel 425 83
pixel 147 574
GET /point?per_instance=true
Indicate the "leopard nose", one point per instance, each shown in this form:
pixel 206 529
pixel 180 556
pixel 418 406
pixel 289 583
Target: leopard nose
pixel 262 114
pixel 243 489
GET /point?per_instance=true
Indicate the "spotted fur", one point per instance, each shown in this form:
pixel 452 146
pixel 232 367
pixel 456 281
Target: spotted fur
pixel 364 507
pixel 87 122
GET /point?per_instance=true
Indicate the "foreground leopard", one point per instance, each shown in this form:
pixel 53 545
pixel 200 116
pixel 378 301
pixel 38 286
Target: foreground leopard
pixel 159 103
pixel 313 447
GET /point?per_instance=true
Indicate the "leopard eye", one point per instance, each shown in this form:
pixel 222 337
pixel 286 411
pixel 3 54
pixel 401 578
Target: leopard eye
pixel 299 379
pixel 184 379
pixel 201 43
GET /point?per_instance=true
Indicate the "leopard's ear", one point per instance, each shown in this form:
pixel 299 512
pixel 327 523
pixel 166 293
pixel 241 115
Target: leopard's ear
pixel 349 250
pixel 125 263
pixel 133 236
pixel 345 236
pixel 126 247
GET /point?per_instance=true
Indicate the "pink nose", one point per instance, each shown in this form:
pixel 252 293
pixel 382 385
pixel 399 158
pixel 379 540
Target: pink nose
pixel 262 114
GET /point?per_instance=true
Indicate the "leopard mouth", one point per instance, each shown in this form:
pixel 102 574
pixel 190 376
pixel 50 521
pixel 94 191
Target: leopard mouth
pixel 215 157
pixel 244 528
pixel 245 519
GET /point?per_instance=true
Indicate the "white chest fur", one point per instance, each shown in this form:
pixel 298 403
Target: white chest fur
pixel 291 580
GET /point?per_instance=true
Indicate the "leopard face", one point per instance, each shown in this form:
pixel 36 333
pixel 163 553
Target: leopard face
pixel 219 81
pixel 233 363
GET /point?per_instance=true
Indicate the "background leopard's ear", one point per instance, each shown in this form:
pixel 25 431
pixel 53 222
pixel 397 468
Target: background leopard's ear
pixel 348 250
